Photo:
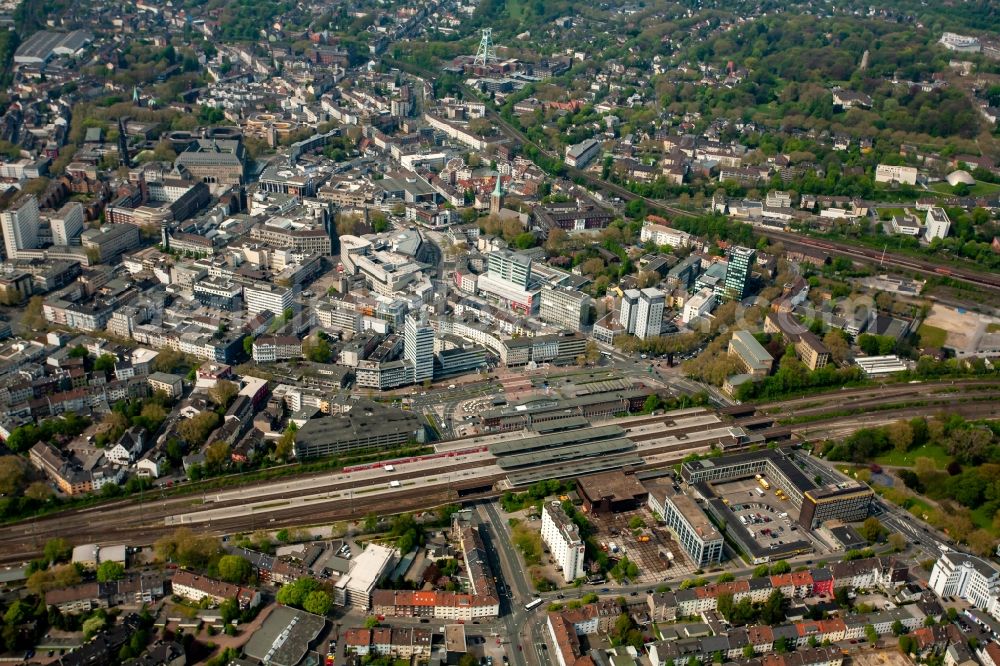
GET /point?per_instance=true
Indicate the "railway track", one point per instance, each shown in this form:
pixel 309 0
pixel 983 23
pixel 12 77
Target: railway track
pixel 129 522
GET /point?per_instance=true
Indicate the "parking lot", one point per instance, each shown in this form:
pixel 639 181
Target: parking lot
pixel 769 519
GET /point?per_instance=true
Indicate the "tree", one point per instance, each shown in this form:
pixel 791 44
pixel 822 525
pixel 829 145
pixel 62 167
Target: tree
pixel 109 571
pixel 234 569
pixel 223 392
pixel 57 550
pixel 872 529
pixel 900 435
pixel 34 315
pixel 217 455
pixel 229 609
pixel 93 625
pixel 295 594
pixel 871 634
pixel 105 363
pixel 773 610
pixel 285 447
pixel 318 350
pixel 897 541
pixel 12 475
pixel 371 622
pixel 38 491
pixel 248 346
pixel 780 567
pixel 195 430
pixel 898 629
pixel 317 602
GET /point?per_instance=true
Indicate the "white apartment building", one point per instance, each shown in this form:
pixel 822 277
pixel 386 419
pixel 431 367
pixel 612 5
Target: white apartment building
pixel 20 226
pixel 888 173
pixel 974 579
pixel 701 303
pixel 649 318
pixel 264 296
pixel 562 537
pixel 271 348
pixel 629 310
pixel 936 224
pixel 67 224
pixel 662 235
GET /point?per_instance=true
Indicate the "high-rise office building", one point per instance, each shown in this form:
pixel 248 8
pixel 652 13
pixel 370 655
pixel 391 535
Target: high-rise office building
pixel 67 224
pixel 565 307
pixel 629 310
pixel 20 226
pixel 418 347
pixel 510 266
pixel 649 318
pixel 741 260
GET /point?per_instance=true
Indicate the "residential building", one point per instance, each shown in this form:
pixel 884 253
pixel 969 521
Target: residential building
pixel 660 234
pixel 741 260
pixel 67 224
pixel 960 43
pixel 629 310
pixel 936 224
pixel 188 585
pixel 271 348
pixel 649 317
pixel 562 537
pixel 172 385
pixel 20 226
pixel 754 358
pixel 700 304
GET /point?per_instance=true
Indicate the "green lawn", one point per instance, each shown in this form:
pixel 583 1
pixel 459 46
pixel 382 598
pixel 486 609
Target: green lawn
pixel 919 507
pixel 993 328
pixel 984 519
pixel 931 336
pixel 932 451
pixel 890 210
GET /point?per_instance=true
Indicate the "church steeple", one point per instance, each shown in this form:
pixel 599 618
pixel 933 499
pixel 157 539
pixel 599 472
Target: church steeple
pixel 496 199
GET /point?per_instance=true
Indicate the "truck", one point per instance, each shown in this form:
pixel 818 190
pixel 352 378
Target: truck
pixel 764 484
pixel 759 492
pixel 612 547
pixel 394 484
pixel 390 468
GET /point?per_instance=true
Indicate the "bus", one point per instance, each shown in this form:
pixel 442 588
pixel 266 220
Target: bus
pixel 764 484
pixel 533 604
